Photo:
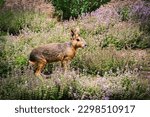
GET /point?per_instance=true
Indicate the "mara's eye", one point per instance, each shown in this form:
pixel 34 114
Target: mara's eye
pixel 78 39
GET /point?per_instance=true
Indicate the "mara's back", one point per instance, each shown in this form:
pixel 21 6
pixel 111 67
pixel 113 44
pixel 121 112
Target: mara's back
pixel 50 52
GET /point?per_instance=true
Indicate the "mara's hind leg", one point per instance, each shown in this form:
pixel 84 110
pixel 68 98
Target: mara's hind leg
pixel 31 62
pixel 40 66
pixel 31 65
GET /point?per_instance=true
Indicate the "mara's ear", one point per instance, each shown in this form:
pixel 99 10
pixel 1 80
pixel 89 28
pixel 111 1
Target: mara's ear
pixel 72 33
pixel 75 31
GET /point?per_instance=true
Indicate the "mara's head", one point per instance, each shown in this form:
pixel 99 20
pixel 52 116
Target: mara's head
pixel 76 40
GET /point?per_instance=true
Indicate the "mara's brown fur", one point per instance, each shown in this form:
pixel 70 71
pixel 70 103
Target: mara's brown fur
pixel 54 52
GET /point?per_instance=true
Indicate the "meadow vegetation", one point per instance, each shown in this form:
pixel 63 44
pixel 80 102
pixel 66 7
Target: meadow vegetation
pixel 118 39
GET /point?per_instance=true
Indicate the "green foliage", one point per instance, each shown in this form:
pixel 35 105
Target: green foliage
pixel 13 55
pixel 74 8
pixel 128 37
pixel 13 22
pixel 3 63
pixel 112 40
pixel 126 83
pixel 124 13
pixel 132 90
pixel 2 2
pixel 21 61
pixel 138 42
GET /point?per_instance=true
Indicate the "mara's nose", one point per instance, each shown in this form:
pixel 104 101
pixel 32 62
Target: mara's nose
pixel 85 45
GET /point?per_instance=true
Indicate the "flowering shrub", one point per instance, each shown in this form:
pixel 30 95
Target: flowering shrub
pixel 73 86
pixel 141 13
pixel 141 10
pixel 107 23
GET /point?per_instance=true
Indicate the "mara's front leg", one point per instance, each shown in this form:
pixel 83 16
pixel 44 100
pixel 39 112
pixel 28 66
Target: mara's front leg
pixel 64 65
